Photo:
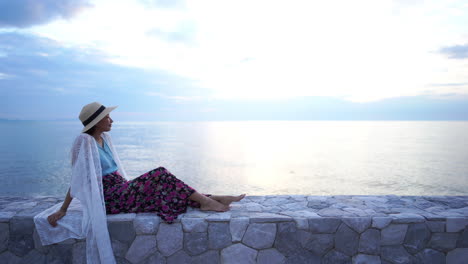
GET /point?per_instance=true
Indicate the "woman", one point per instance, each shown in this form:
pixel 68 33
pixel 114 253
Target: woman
pixel 99 183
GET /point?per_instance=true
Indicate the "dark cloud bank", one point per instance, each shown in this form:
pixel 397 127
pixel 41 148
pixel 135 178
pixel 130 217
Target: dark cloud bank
pixel 26 13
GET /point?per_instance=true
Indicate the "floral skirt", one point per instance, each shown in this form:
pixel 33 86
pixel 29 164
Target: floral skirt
pixel 155 191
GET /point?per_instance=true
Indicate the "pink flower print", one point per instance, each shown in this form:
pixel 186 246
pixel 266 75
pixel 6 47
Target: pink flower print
pixel 130 200
pixel 165 208
pixel 182 196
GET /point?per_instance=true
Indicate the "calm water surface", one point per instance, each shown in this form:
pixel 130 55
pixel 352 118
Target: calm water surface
pixel 256 157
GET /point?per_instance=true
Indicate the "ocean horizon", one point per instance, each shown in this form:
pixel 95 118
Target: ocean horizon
pixel 254 157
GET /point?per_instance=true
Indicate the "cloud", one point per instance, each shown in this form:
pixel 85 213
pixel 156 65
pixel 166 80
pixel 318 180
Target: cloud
pixel 164 3
pixel 39 73
pixel 26 13
pixel 185 34
pixel 449 84
pixel 456 52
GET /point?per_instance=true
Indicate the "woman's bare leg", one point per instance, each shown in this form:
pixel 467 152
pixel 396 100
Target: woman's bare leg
pixel 227 199
pixel 208 204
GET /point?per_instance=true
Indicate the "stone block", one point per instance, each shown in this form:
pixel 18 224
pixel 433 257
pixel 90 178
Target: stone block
pixel 436 226
pixel 320 244
pixel 260 236
pixel 276 200
pixel 195 243
pixel 255 198
pixel 381 222
pixel 302 256
pixel 119 248
pixel 219 217
pixel 21 226
pixel 369 243
pixel 417 237
pixel 4 236
pixel 142 247
pixel 146 224
pixel 334 212
pixel 443 241
pixel 317 204
pixel 346 240
pixel 358 224
pixel 396 254
pixel 268 217
pixel 270 256
pixel 35 257
pixel 294 206
pixel 407 218
pixel 287 238
pixel 324 225
pixel 237 226
pixel 238 253
pixel 20 244
pixel 19 206
pixel 253 207
pixel 156 258
pixel 121 217
pixel 300 214
pixel 457 256
pixel 38 244
pixel 333 257
pixel 169 238
pixel 356 211
pixel 209 257
pixel 194 225
pixel 120 260
pixel 366 259
pixel 455 225
pixel 8 257
pixel 302 223
pixel 393 234
pixel 79 253
pixel 178 258
pixel 430 256
pixel 5 217
pixel 59 253
pixel 219 235
pixel 462 241
pixel 122 231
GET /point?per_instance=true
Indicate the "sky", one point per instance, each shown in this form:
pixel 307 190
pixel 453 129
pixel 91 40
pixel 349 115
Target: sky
pixel 235 60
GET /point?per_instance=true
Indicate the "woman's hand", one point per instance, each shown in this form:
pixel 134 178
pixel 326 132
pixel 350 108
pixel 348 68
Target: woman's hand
pixel 53 218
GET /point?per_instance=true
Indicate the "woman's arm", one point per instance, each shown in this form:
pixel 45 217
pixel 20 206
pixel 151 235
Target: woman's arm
pixel 53 218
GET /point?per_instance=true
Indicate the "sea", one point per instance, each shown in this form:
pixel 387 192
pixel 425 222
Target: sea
pixel 253 157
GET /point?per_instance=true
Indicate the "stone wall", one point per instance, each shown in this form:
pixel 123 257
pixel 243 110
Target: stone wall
pixel 263 229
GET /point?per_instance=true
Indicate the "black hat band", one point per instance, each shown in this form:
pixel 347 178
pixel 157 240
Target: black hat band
pixel 93 116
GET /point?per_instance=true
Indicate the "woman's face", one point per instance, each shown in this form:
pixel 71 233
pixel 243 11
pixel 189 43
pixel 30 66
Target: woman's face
pixel 105 124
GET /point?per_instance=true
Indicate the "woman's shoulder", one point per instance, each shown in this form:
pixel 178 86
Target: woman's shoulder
pixel 83 137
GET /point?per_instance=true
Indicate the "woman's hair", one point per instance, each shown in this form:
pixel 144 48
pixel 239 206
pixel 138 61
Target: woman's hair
pixel 90 131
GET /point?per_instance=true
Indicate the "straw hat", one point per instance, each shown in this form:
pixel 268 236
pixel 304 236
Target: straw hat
pixel 92 113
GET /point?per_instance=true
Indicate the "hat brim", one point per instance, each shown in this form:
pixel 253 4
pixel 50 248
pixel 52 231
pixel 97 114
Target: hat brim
pixel 99 118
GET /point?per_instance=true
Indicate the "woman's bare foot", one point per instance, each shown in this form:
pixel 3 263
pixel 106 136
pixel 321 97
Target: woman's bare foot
pixel 213 205
pixel 228 199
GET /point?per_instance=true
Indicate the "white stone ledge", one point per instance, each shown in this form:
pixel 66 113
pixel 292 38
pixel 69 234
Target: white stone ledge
pixel 264 229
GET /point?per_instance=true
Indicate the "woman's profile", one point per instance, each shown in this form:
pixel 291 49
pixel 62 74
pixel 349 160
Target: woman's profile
pixel 100 185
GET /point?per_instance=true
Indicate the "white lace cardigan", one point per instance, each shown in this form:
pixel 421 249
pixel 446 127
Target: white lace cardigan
pixel 86 215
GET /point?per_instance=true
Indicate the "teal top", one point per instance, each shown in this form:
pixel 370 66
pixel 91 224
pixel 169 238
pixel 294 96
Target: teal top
pixel 108 164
